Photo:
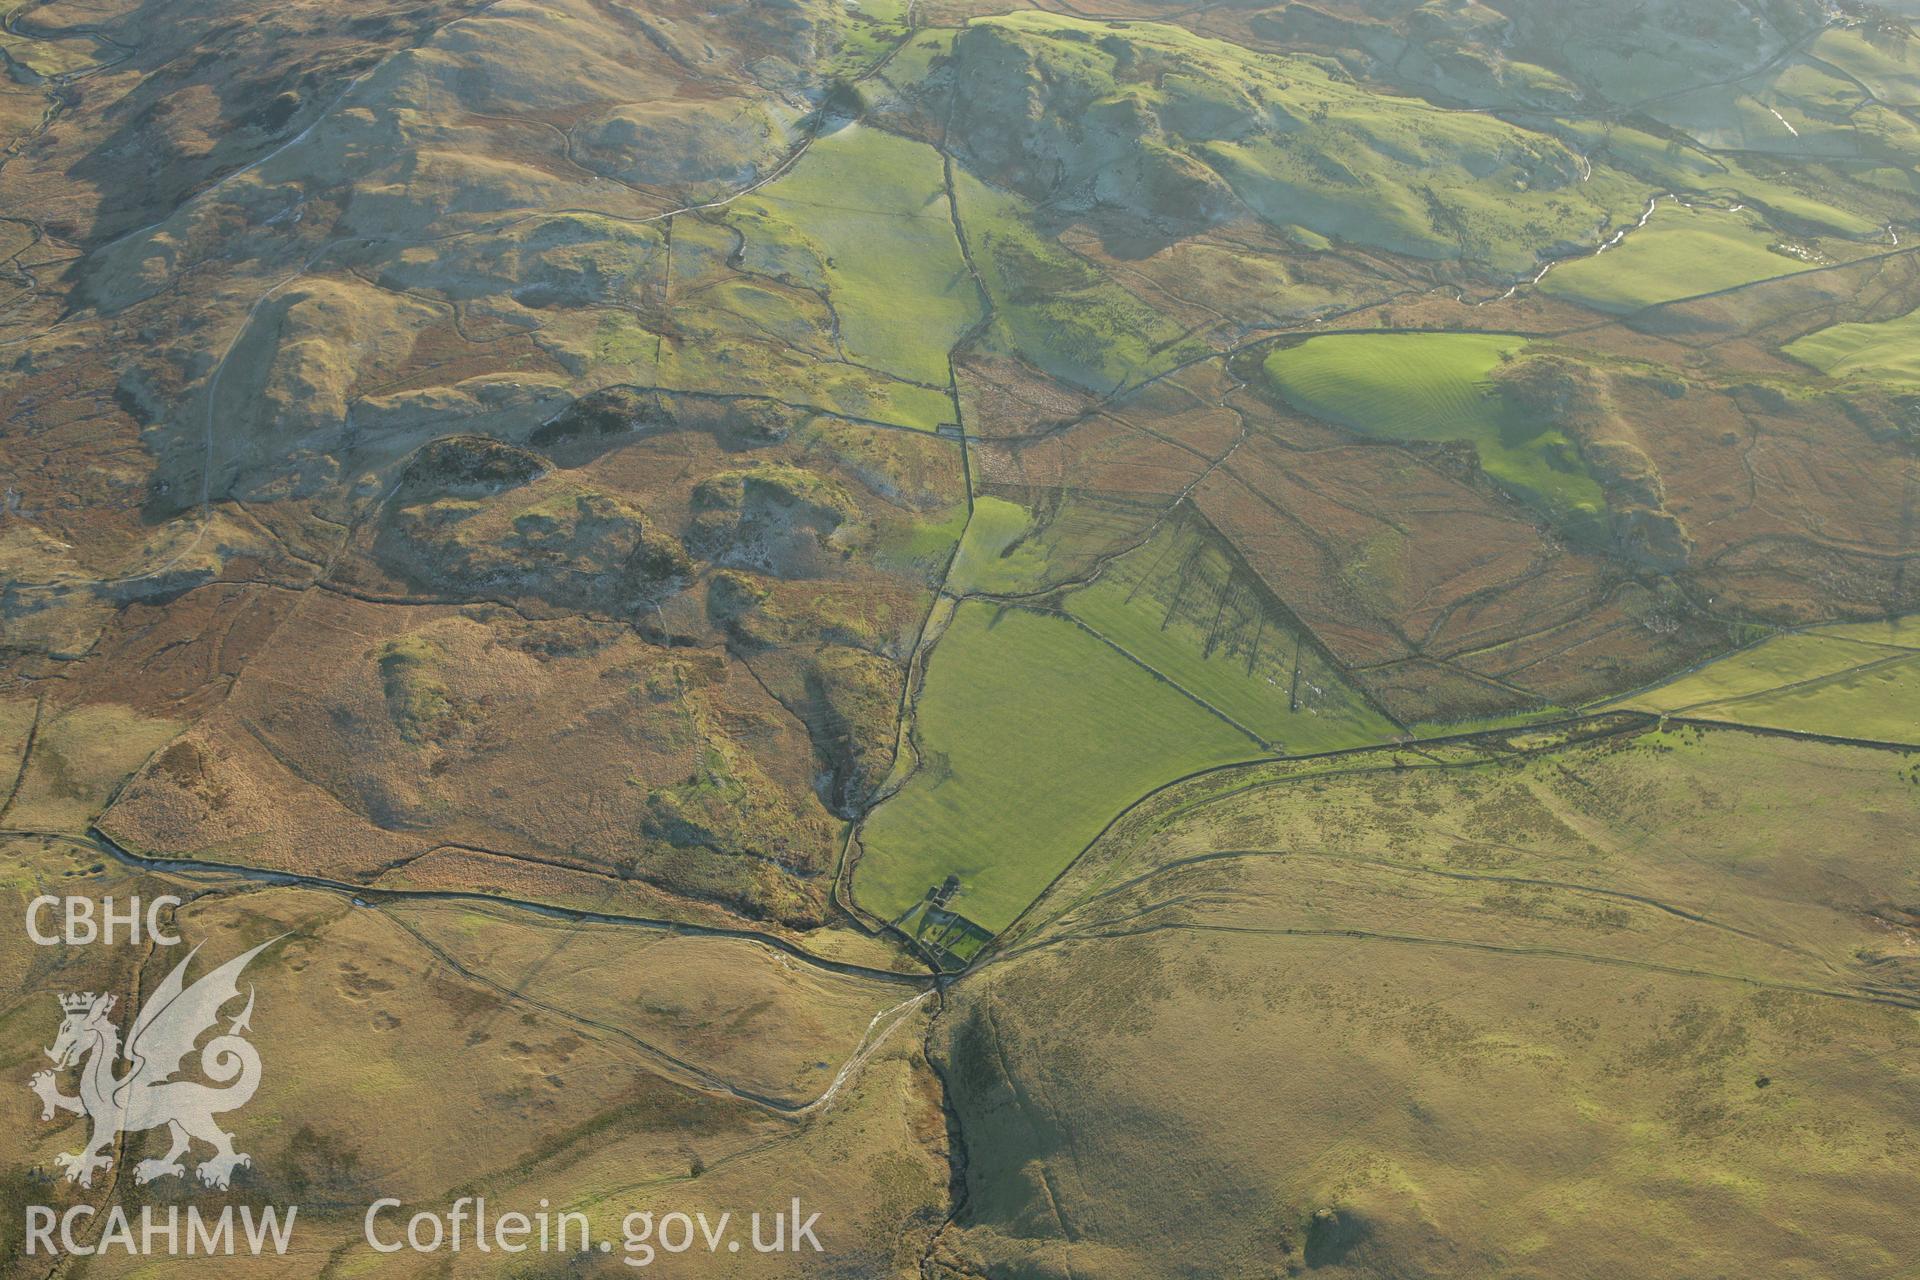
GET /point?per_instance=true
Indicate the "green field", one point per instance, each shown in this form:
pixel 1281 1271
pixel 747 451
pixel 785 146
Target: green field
pixel 1779 660
pixel 923 545
pixel 1880 703
pixel 1032 736
pixel 1680 253
pixel 1887 351
pixel 1435 387
pixel 1017 548
pixel 865 216
pixel 882 10
pixel 995 556
pixel 1181 606
pixel 1902 633
pixel 1845 682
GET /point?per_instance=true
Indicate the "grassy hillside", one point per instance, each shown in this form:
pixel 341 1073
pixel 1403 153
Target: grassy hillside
pixel 1886 71
pixel 1435 387
pixel 1456 1006
pixel 1287 554
pixel 1052 307
pixel 1295 140
pixel 393 1034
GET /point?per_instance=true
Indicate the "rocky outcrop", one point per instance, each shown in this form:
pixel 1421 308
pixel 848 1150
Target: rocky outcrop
pixel 1577 399
pixel 468 467
pixel 855 699
pixel 777 519
pixel 479 518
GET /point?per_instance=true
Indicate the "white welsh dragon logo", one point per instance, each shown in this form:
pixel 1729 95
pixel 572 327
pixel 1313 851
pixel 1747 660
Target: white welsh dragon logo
pixel 147 1096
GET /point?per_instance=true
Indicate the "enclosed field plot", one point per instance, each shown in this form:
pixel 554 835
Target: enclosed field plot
pixel 864 217
pixel 1880 703
pixel 996 552
pixel 949 938
pixel 1887 351
pixel 1681 252
pixel 1374 548
pixel 1439 387
pixel 1183 605
pixel 1902 633
pixel 1038 539
pixel 1855 681
pixel 1031 735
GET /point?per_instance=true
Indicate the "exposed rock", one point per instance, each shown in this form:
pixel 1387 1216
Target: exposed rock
pixel 1626 474
pixel 734 604
pixel 606 415
pixel 1652 537
pixel 777 519
pixel 855 699
pixel 551 540
pixel 468 467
